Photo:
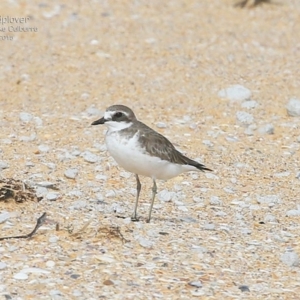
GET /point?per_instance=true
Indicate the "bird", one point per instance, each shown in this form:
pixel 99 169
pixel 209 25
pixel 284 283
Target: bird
pixel 142 151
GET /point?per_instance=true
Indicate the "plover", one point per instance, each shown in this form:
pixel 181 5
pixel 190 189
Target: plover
pixel 141 150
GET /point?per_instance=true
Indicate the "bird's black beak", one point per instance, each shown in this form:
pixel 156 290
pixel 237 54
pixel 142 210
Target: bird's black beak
pixel 100 121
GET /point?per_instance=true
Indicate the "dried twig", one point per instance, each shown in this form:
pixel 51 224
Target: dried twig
pixel 40 221
pixel 113 231
pixel 108 231
pixel 78 232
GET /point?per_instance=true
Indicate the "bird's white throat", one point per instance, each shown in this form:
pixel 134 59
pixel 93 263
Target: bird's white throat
pixel 116 126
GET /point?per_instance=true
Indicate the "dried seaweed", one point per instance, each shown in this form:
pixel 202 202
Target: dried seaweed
pixel 108 231
pixel 40 221
pixel 17 190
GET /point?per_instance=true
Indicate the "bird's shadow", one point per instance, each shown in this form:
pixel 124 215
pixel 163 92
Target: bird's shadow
pixel 243 3
pixel 159 219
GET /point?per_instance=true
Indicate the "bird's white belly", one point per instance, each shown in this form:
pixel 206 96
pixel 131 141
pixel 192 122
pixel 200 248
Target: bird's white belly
pixel 130 156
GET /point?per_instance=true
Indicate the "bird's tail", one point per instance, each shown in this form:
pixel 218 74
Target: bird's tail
pixel 199 166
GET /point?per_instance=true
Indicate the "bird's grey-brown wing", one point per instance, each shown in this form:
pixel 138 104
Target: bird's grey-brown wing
pixel 157 145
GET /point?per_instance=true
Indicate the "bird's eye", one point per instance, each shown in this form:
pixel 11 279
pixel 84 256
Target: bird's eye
pixel 118 115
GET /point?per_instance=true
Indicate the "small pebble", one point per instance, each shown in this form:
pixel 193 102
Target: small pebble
pixel 54 293
pixel 182 208
pixel 53 239
pixel 209 226
pixel 71 173
pixel 293 107
pixel 101 177
pixel 266 129
pixel 248 131
pixel 106 258
pixel 76 293
pixel 290 258
pixel 94 42
pixel 4 216
pixel 293 213
pixel 161 125
pixel 79 204
pixel 25 117
pixel 100 147
pixel 232 139
pixel 208 143
pixel 150 40
pixel 196 284
pixel 51 166
pixel 254 207
pixel 85 96
pixel 35 270
pixel 43 148
pixel 108 282
pixel 21 276
pixel 245 231
pixel 52 196
pixel 41 191
pixel 29 164
pixel 51 13
pixel 165 195
pixel 99 196
pixel 235 93
pixel 125 174
pixel 221 214
pixel 38 121
pixel 50 263
pixel 3 265
pixel 9 141
pixel 46 184
pixel 233 180
pixel 3 165
pixel 282 174
pixel 145 243
pixel 211 176
pixel 75 193
pixel 244 288
pixel 199 293
pixel 215 200
pixel 12 248
pixel 76 153
pixel 249 104
pixel 117 208
pixel 194 176
pixel 269 218
pixel 110 194
pixel 30 138
pixel 188 219
pixel 228 190
pixel 244 117
pixel 268 199
pixel 90 157
pixel 193 126
pixel 197 199
pixel 93 111
pixel 25 77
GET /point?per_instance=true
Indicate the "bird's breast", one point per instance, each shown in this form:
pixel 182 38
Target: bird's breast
pixel 129 154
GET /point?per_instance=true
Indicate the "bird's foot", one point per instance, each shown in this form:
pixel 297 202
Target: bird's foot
pixel 135 218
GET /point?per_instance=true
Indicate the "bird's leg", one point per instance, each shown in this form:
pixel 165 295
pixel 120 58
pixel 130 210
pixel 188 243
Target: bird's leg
pixel 154 191
pixel 138 190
